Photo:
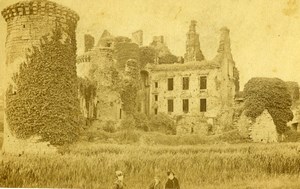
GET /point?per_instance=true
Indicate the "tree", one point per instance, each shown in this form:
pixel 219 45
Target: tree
pixel 271 94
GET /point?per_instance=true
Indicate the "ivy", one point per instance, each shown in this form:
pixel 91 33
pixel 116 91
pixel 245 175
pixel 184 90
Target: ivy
pixel 271 94
pixel 45 101
pixel 130 87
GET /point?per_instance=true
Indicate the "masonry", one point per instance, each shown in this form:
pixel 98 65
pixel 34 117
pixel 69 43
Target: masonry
pixel 197 93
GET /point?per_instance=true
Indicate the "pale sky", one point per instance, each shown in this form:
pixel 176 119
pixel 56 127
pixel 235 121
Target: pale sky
pixel 265 34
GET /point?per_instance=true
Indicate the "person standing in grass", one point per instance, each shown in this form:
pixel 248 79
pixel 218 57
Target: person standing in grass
pixel 156 184
pixel 172 182
pixel 119 184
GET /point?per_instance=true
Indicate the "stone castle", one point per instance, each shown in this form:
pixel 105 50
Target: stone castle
pixel 197 93
pixel 200 95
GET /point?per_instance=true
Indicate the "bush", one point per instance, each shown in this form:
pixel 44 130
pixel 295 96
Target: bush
pixel 127 137
pixel 162 123
pixel 142 122
pixel 291 136
pixel 109 126
pixel 128 123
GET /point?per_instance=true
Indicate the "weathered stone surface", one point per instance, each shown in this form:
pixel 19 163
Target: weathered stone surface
pixel 193 51
pixel 264 129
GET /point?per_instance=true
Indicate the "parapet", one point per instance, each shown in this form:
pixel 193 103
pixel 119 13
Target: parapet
pixel 40 7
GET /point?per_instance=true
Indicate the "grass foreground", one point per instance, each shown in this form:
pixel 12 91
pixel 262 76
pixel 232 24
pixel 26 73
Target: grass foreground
pixel 92 165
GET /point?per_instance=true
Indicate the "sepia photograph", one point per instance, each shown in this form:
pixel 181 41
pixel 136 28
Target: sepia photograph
pixel 150 94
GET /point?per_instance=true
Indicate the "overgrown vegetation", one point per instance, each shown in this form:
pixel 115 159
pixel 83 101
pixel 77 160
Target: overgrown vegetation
pixel 293 88
pixel 44 99
pixel 271 94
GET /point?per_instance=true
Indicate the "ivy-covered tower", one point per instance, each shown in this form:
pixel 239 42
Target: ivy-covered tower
pixel 28 111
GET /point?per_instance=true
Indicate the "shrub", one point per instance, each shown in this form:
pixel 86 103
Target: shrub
pixel 291 136
pixel 109 126
pixel 141 121
pixel 128 123
pixel 127 136
pixel 163 123
pixel 168 59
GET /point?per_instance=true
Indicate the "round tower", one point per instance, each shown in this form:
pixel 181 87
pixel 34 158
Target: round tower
pixel 27 22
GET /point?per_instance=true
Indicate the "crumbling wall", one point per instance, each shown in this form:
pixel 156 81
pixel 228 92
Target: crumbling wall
pixel 264 129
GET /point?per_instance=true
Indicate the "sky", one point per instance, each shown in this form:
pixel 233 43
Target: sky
pixel 265 34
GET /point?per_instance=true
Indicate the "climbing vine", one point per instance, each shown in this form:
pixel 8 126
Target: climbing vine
pixel 271 94
pixel 45 101
pixel 130 87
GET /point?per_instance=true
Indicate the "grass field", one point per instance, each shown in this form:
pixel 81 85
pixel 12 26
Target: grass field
pixel 92 165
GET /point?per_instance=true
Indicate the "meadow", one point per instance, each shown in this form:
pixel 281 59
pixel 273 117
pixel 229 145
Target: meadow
pixel 222 165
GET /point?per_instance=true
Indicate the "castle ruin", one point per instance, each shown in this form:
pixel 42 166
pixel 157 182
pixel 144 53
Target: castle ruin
pixel 198 93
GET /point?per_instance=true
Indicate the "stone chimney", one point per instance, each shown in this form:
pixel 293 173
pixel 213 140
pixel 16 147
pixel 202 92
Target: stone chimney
pixel 89 42
pixel 193 51
pixel 158 39
pixel 137 37
pixel 224 46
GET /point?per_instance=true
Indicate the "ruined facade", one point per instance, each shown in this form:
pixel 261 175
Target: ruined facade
pixel 198 93
pixel 27 23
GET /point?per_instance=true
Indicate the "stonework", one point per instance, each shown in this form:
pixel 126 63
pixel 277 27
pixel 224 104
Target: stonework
pixel 205 87
pixel 193 51
pixel 264 129
pixel 27 22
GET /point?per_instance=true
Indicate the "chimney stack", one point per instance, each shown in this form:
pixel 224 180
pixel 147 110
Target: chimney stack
pixel 193 51
pixel 137 37
pixel 89 42
pixel 224 46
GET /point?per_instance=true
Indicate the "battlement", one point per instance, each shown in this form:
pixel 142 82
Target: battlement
pixel 40 7
pixel 83 58
pixel 102 52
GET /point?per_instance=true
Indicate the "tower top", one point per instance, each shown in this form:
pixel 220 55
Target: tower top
pixel 40 7
pixel 193 26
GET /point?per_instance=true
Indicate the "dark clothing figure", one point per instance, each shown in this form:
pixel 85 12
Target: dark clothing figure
pixel 172 184
pixel 119 185
pixel 155 185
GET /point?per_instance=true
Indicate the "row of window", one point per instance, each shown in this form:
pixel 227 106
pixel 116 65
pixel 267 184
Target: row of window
pixel 185 83
pixel 185 105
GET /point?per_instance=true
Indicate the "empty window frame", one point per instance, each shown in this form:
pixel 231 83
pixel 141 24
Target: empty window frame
pixel 170 84
pixel 156 97
pixel 185 105
pixel 185 83
pixel 203 105
pixel 170 105
pixel 156 84
pixel 203 82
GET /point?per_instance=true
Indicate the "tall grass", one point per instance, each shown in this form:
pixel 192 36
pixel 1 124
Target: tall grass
pixel 92 165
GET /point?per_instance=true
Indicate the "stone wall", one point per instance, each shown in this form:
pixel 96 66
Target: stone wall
pixel 264 129
pixel 193 70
